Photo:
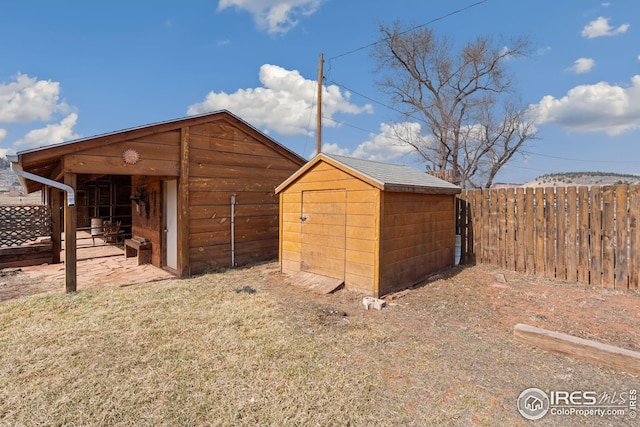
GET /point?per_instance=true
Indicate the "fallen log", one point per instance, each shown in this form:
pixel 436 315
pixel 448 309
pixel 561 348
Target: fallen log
pixel 593 351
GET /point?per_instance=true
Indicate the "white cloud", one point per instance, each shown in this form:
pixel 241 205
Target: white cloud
pixel 332 148
pixel 285 103
pixel 582 65
pixel 3 134
pixel 51 134
pixel 385 146
pixel 388 145
pixel 600 107
pixel 28 99
pixel 276 16
pixel 600 27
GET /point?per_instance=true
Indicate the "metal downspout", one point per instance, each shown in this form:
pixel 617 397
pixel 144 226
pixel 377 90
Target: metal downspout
pixel 71 197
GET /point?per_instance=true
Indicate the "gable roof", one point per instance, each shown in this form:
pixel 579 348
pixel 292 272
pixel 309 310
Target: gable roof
pixel 385 176
pixel 46 161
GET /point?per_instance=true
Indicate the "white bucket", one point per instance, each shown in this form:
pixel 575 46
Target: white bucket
pixel 96 226
pixel 458 248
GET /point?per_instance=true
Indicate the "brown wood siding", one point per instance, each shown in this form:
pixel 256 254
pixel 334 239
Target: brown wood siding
pixel 418 238
pixel 225 162
pixel 159 155
pixel 290 225
pixel 360 225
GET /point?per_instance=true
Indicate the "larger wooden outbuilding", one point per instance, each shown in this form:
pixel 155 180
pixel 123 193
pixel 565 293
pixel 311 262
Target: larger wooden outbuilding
pixel 200 189
pixel 377 226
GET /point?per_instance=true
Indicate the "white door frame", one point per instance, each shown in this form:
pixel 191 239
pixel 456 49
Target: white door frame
pixel 170 224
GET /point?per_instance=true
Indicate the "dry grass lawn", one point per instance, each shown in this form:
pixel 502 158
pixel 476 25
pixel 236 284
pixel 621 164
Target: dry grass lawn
pixel 243 348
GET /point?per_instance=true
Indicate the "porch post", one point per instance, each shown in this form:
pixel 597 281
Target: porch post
pixel 70 226
pixel 55 203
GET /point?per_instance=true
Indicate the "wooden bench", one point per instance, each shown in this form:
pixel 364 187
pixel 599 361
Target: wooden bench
pixel 138 246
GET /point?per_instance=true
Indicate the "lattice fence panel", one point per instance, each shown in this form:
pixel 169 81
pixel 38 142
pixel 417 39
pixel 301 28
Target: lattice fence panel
pixel 22 224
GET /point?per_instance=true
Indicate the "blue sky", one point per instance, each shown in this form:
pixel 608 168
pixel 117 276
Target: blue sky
pixel 73 69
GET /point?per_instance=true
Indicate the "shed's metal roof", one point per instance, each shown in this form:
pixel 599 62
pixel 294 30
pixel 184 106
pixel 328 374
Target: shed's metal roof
pixel 389 175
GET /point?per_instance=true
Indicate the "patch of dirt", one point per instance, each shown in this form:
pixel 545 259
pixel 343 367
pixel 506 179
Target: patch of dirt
pixel 328 315
pixel 20 282
pixel 467 317
pixel 487 297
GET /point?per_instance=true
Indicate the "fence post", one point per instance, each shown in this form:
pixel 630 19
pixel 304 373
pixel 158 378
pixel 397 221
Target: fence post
pixel 520 233
pixel 463 225
pixel 501 226
pixel 539 231
pixel 622 242
pixel 596 236
pixel 511 230
pixel 561 226
pixel 551 232
pixel 608 236
pixel 634 239
pixel 583 221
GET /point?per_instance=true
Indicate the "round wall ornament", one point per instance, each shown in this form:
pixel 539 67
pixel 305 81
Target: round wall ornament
pixel 130 156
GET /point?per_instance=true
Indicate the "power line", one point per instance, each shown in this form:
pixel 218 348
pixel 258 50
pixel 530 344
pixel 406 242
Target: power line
pixel 375 101
pixel 369 131
pixel 352 126
pixel 410 29
pixel 422 120
pixel 419 119
pixel 580 160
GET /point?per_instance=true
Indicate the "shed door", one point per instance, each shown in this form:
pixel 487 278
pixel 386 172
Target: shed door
pixel 323 232
pixel 170 191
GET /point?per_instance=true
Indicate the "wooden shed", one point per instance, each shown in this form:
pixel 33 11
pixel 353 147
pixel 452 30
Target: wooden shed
pixel 377 226
pixel 200 189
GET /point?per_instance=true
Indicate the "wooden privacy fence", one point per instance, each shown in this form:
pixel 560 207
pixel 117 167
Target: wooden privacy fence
pixel 580 234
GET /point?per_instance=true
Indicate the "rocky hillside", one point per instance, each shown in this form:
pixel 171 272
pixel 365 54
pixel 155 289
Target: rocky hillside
pixel 583 178
pixel 12 193
pixel 8 180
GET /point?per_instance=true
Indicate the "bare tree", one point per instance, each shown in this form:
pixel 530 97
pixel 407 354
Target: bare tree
pixel 464 100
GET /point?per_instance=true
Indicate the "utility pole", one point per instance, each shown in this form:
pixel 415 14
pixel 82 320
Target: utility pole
pixel 319 115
